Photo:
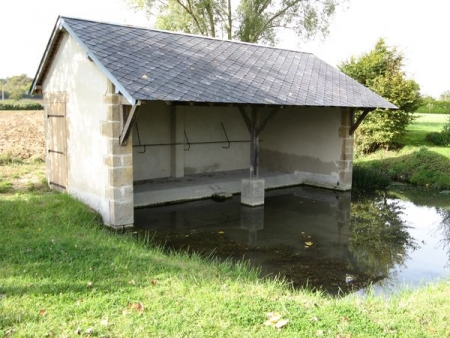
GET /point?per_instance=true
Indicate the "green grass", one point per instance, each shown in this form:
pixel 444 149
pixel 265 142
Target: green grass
pixel 418 162
pixel 62 274
pixel 421 126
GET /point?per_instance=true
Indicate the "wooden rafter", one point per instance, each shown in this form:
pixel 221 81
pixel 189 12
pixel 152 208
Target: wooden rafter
pixel 361 117
pixel 127 118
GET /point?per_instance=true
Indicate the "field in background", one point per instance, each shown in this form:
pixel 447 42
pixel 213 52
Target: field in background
pixel 22 134
pixel 421 126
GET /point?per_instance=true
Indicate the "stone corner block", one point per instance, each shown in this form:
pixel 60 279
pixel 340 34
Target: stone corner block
pixel 121 214
pixel 110 129
pixel 252 192
pixel 112 99
pixel 121 176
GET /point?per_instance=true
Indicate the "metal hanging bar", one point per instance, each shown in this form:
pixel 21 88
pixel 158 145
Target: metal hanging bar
pixel 187 141
pixel 139 140
pixel 187 144
pixel 226 136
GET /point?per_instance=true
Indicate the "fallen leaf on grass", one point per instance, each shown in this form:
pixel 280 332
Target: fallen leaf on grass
pixel 272 318
pixel 138 307
pixel 42 312
pixel 281 323
pixel 275 320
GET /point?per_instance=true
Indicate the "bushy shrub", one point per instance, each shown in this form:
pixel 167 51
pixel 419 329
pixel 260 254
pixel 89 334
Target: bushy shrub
pixel 446 130
pixel 381 70
pixel 369 178
pixel 439 139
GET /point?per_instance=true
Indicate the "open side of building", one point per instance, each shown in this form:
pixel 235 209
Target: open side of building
pixel 138 117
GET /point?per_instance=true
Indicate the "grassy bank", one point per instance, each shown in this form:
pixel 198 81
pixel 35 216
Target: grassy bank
pixel 62 274
pixel 418 162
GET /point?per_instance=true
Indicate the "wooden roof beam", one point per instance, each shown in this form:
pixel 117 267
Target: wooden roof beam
pixel 361 117
pixel 127 118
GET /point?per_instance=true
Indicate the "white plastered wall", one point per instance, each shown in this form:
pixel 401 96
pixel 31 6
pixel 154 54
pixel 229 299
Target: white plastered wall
pixel 161 124
pixel 305 141
pixel 85 85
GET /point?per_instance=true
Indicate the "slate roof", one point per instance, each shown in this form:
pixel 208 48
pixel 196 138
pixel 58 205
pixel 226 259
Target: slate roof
pixel 148 65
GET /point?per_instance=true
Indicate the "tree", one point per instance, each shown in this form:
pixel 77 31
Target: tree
pixel 250 21
pixel 381 71
pixel 445 96
pixel 16 87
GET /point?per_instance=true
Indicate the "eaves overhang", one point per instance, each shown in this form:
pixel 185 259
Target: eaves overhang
pixel 52 47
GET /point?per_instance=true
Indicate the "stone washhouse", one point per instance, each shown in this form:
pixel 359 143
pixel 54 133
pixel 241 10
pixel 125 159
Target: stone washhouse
pixel 137 117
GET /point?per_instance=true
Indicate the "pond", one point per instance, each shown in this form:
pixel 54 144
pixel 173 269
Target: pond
pixel 338 242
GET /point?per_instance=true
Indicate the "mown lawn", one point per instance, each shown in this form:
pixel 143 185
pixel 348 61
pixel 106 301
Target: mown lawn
pixel 64 275
pixel 421 126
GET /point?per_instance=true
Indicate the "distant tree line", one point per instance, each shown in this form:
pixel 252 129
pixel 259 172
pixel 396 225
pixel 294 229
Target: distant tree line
pixel 431 105
pixel 15 87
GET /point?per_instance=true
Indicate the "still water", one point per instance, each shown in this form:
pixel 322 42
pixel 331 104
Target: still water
pixel 333 241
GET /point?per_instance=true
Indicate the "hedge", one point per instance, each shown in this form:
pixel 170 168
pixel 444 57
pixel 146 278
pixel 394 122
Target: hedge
pixel 435 107
pixel 20 105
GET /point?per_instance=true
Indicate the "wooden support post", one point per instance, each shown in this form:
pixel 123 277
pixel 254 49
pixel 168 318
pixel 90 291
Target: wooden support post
pixel 255 127
pixel 252 193
pixel 254 143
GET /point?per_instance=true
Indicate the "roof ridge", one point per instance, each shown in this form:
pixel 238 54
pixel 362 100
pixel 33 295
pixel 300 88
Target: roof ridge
pixel 178 67
pixel 187 34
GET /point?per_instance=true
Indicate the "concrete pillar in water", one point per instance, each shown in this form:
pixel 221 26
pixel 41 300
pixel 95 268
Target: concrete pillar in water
pixel 252 193
pixel 252 219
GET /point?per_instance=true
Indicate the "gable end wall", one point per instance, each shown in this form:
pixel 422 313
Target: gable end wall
pixel 85 87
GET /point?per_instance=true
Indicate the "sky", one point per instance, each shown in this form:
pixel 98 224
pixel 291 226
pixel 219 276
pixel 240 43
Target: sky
pixel 418 29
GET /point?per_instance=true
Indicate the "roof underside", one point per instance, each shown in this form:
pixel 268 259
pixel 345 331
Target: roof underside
pixel 151 65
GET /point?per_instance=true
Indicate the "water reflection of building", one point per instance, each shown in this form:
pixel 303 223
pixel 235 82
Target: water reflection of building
pixel 301 233
pixel 252 220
